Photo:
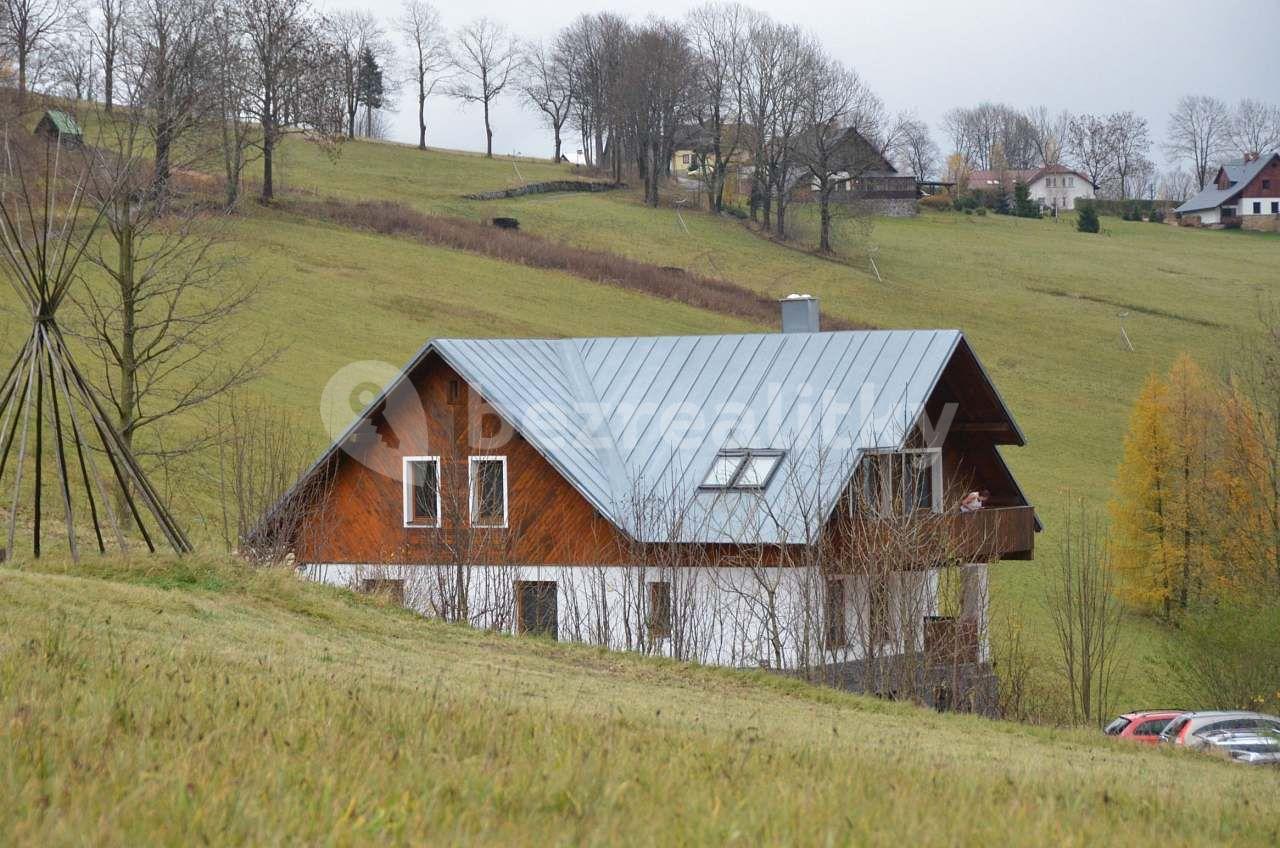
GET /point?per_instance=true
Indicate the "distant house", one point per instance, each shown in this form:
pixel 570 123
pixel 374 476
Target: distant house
pixel 1054 186
pixel 1246 190
pixel 711 498
pixel 867 177
pixel 56 125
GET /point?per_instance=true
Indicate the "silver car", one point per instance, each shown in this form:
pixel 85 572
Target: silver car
pixel 1191 729
pixel 1248 746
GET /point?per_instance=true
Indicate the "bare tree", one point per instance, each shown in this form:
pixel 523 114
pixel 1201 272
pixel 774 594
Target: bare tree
pixel 164 328
pixel 545 82
pixel 1176 185
pixel 1199 129
pixel 232 96
pixel 357 37
pixel 590 50
pixel 1087 618
pixel 990 131
pixel 169 67
pixel 1091 144
pixel 718 33
pixel 288 83
pixel 840 115
pixel 778 58
pixel 72 67
pixel 1130 143
pixel 1255 127
pixel 29 26
pixel 1049 133
pixel 106 27
pixel 485 56
pixel 420 26
pixel 912 148
pixel 655 97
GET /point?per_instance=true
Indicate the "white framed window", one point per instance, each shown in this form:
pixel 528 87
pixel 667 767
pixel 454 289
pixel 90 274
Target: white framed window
pixel 488 487
pixel 743 470
pixel 421 476
pixel 896 482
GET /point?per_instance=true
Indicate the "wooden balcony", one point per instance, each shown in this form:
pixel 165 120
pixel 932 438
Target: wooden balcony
pixel 922 538
pixel 1000 532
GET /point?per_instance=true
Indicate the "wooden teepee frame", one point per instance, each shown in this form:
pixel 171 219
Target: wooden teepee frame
pixel 44 394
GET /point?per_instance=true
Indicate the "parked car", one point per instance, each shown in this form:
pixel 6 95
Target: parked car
pixel 1144 726
pixel 1190 729
pixel 1245 746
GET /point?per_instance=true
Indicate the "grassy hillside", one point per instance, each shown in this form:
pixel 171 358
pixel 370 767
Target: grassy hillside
pixel 1040 302
pixel 196 702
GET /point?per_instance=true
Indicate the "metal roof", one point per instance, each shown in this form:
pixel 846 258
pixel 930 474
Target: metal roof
pixel 63 122
pixel 634 424
pixel 1239 172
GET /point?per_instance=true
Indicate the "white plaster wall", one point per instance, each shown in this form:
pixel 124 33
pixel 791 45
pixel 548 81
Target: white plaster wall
pixel 1245 206
pixel 743 617
pixel 1066 196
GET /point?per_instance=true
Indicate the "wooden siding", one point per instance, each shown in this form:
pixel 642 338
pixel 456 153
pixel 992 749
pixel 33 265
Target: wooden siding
pixel 550 523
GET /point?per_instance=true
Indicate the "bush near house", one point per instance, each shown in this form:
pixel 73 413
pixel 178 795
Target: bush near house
pixel 1087 218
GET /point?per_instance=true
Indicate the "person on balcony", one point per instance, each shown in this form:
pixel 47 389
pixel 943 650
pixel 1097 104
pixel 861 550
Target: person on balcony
pixel 975 501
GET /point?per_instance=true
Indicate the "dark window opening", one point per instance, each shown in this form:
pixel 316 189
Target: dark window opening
pixel 455 392
pixel 1275 207
pixel 836 632
pixel 424 493
pixel 488 492
pixel 536 608
pixel 393 589
pixel 1257 207
pixel 660 610
pixel 1266 184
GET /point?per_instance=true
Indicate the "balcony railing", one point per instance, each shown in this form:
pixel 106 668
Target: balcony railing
pixel 1001 532
pixel 929 537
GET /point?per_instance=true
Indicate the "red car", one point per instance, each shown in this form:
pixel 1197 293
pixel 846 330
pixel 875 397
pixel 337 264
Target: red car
pixel 1142 726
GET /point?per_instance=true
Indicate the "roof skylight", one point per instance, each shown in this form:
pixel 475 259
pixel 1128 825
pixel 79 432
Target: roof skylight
pixel 743 470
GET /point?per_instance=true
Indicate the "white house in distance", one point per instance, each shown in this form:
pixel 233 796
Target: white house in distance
pixel 1055 186
pixel 1247 189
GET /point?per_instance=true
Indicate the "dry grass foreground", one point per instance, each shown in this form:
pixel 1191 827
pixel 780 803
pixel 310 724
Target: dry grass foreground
pixel 196 701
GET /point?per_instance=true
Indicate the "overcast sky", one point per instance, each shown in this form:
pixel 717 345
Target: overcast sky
pixel 930 55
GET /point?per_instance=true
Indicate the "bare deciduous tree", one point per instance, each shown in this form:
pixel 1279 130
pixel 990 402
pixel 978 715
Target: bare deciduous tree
pixel 546 85
pixel 72 68
pixel 1198 133
pixel 288 88
pixel 29 26
pixel 1048 133
pixel 485 56
pixel 989 132
pixel 1087 618
pixel 169 69
pixel 232 96
pixel 718 33
pixel 912 148
pixel 1091 144
pixel 1130 143
pixel 655 97
pixel 420 26
pixel 841 118
pixel 1255 127
pixel 356 37
pixel 107 29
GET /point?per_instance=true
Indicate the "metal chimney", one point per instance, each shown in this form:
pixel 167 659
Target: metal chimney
pixel 799 313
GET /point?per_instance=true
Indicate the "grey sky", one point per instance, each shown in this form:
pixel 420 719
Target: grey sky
pixel 930 55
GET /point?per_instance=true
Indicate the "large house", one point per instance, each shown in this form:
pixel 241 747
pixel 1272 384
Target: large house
pixel 785 500
pixel 1247 191
pixel 1056 187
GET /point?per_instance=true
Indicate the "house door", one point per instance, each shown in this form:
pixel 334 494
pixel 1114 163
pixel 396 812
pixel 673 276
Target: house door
pixel 536 611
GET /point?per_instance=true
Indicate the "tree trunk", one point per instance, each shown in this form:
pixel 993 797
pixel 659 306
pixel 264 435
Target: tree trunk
pixel 128 354
pixel 422 117
pixel 108 71
pixel 824 216
pixel 555 160
pixel 22 75
pixel 268 149
pixel 488 132
pixel 163 143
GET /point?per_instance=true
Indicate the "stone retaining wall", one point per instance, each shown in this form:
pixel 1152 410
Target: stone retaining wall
pixel 544 188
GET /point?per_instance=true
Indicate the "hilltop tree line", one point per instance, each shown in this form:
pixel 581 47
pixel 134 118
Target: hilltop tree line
pixel 1113 151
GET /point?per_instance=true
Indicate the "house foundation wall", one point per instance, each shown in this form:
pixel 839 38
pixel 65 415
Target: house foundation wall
pixel 740 617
